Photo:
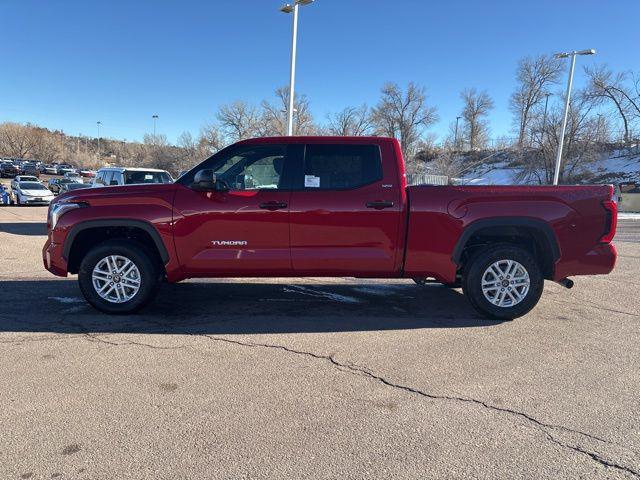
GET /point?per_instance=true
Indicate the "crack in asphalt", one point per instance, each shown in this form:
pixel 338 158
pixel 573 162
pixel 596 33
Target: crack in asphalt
pixel 96 339
pixel 360 371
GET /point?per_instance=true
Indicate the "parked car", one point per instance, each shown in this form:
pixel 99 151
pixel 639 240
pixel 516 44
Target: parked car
pixel 32 193
pixel 87 173
pixel 67 187
pixel 22 178
pixel 113 176
pixel 50 169
pixel 30 168
pixel 63 168
pixel 5 197
pixel 55 183
pixel 8 169
pixel 73 176
pixel 329 206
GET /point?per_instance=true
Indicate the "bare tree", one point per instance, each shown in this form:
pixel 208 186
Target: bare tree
pixel 404 115
pixel 535 76
pixel 605 86
pixel 274 115
pixel 190 151
pixel 18 141
pixel 351 121
pixel 477 106
pixel 210 139
pixel 581 145
pixel 239 120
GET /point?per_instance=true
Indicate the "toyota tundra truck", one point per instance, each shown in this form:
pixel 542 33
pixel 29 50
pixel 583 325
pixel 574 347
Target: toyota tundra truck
pixel 328 207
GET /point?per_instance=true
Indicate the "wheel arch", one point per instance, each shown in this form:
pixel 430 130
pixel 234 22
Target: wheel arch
pixel 90 230
pixel 513 230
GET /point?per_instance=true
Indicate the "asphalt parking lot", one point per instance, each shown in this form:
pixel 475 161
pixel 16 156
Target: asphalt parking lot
pixel 314 378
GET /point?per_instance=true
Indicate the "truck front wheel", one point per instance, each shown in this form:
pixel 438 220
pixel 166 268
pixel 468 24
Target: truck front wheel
pixel 503 282
pixel 118 277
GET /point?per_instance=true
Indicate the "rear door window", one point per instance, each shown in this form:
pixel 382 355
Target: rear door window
pixel 341 167
pixel 107 177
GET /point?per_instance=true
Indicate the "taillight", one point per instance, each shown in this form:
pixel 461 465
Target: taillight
pixel 612 221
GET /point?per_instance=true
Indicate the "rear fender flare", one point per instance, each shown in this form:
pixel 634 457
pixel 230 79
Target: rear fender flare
pixel 531 223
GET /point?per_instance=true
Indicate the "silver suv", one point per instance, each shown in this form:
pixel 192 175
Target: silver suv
pixel 110 176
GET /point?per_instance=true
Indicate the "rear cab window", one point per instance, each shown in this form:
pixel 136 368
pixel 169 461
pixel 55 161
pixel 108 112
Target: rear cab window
pixel 341 167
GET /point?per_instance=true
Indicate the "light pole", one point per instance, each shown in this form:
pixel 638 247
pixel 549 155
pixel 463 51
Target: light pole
pixel 155 118
pixel 556 174
pixel 455 136
pixel 98 123
pixel 293 8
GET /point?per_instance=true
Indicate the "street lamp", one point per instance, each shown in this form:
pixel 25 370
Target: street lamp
pixel 556 175
pixel 98 123
pixel 155 118
pixel 293 8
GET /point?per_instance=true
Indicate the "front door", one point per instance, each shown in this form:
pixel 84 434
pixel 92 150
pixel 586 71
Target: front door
pixel 345 216
pixel 243 231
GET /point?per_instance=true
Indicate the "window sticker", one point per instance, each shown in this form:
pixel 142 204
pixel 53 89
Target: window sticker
pixel 311 181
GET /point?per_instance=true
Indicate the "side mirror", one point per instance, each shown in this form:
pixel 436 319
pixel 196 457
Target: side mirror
pixel 205 180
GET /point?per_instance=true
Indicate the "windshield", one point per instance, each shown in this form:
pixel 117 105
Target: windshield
pixel 28 179
pixel 75 186
pixel 32 186
pixel 132 178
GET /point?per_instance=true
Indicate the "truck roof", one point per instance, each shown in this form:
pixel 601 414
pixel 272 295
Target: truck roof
pixel 316 139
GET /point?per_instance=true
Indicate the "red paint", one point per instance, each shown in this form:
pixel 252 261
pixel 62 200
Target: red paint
pixel 334 233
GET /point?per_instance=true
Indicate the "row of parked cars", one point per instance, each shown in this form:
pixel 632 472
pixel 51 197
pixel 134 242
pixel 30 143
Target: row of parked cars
pixel 29 190
pixel 10 167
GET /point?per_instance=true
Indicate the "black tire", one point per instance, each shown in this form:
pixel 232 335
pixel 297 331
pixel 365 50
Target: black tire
pixel 478 265
pixel 150 276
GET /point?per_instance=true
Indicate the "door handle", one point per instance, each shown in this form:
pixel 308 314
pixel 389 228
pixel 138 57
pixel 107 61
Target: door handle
pixel 379 205
pixel 273 205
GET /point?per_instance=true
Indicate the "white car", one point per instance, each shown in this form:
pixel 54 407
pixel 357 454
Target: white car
pixel 23 178
pixel 73 176
pixel 32 193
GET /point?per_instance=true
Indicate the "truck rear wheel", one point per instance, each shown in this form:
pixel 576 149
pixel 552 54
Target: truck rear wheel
pixel 118 277
pixel 503 282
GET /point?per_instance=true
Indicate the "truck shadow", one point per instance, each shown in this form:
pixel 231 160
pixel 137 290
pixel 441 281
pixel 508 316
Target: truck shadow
pixel 24 228
pixel 220 307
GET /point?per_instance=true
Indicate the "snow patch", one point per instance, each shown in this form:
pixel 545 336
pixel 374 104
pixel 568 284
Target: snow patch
pixel 628 216
pixel 320 294
pixel 66 299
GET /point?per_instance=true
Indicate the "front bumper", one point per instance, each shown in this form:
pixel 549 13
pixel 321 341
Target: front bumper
pixel 53 259
pixel 36 201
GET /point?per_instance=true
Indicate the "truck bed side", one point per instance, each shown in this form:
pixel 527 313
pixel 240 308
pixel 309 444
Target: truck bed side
pixel 567 224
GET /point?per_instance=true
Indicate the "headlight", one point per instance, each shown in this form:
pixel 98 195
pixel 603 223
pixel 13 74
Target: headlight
pixel 57 210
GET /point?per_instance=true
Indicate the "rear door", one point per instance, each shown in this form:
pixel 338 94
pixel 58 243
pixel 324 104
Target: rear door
pixel 244 231
pixel 346 213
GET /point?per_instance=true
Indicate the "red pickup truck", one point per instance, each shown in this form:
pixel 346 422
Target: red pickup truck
pixel 328 206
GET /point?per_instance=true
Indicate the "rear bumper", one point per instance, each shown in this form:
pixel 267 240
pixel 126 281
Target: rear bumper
pixel 598 261
pixel 53 259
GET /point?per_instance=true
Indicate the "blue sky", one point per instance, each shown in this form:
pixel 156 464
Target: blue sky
pixel 67 64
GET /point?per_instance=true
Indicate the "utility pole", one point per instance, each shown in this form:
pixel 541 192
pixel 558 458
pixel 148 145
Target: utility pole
pixel 544 118
pixel 99 123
